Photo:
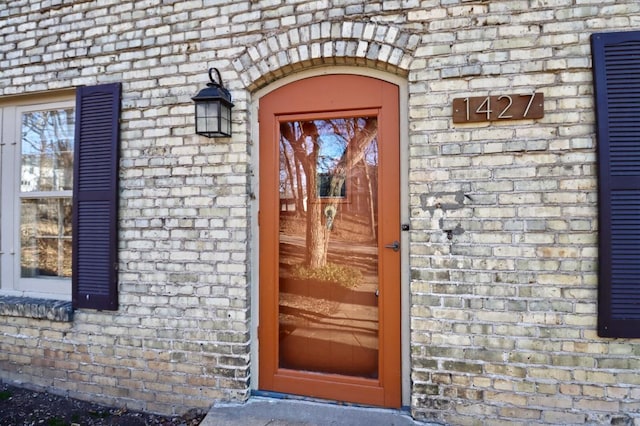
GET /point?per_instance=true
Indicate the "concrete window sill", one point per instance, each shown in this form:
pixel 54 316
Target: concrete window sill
pixel 29 307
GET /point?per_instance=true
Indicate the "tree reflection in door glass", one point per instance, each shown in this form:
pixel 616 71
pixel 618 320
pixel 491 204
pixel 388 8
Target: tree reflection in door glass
pixel 328 313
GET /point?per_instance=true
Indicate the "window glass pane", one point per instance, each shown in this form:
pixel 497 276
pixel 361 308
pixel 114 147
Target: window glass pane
pixel 45 234
pixel 47 150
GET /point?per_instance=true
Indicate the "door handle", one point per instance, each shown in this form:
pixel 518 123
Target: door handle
pixel 395 246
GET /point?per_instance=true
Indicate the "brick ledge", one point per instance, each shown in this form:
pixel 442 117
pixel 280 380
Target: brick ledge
pixel 30 307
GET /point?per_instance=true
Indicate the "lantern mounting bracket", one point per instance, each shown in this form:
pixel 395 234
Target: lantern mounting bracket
pixel 213 82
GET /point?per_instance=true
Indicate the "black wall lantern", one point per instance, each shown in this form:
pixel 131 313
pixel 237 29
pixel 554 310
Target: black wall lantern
pixel 213 109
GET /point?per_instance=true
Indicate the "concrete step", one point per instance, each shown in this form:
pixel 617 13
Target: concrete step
pixel 263 411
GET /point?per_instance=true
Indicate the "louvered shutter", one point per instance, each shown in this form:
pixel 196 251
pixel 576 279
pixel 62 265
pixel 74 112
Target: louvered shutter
pixel 616 70
pixel 95 197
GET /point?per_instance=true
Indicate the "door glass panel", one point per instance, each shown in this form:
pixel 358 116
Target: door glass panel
pixel 328 250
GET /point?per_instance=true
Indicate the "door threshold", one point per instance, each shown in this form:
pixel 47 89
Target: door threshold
pixel 287 396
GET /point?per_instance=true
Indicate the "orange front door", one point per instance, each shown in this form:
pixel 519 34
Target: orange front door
pixel 329 231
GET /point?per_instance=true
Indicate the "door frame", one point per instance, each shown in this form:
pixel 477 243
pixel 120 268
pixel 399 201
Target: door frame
pixel 404 213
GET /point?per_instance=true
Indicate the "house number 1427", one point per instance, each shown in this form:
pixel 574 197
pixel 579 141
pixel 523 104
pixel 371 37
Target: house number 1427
pixel 495 108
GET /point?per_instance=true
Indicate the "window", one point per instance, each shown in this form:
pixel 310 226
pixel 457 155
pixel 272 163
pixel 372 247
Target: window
pixel 616 70
pixel 58 202
pixel 37 184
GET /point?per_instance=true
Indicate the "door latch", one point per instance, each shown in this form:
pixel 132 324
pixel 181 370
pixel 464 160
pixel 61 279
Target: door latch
pixel 395 246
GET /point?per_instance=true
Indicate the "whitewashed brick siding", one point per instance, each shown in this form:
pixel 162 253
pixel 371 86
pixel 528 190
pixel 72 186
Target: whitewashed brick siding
pixel 503 314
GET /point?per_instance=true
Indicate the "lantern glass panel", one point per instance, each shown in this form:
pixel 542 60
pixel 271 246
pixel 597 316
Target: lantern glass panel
pixel 207 117
pixel 225 119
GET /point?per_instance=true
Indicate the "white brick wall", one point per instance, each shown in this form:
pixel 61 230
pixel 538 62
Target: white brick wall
pixel 503 315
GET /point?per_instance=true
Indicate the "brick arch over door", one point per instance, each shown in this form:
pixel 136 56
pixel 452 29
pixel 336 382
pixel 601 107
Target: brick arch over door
pixel 369 44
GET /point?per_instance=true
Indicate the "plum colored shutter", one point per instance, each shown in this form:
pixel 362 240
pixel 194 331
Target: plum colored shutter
pixel 616 71
pixel 95 197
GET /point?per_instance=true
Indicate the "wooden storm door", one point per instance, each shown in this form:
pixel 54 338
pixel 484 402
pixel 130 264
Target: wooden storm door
pixel 329 231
